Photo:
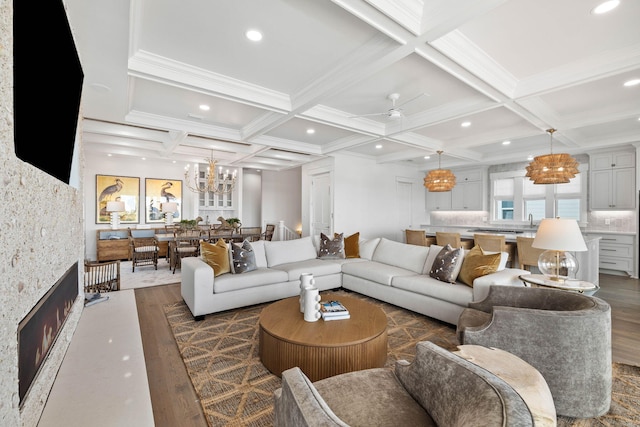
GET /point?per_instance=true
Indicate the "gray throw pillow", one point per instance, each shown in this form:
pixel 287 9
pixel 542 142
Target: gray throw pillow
pixel 331 248
pixel 445 265
pixel 243 258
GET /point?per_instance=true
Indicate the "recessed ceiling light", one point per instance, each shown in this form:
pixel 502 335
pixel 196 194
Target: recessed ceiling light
pixel 109 155
pixel 254 35
pixel 379 146
pixel 506 142
pixel 605 7
pixel 204 107
pixel 465 124
pixel 530 157
pixel 427 157
pixel 144 158
pixel 633 82
pixel 311 131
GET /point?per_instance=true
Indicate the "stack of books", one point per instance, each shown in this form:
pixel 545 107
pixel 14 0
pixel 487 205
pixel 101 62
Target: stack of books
pixel 333 310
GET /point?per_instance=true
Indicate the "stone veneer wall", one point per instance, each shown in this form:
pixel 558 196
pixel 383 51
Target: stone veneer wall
pixel 41 236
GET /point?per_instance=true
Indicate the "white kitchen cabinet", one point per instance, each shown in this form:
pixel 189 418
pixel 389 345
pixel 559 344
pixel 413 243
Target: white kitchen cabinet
pixel 467 195
pixel 438 201
pixel 616 252
pixel 612 181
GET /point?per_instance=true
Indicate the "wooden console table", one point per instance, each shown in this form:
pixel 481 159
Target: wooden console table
pixel 323 349
pixel 113 245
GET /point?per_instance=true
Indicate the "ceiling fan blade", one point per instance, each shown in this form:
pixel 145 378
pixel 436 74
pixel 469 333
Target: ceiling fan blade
pixel 413 99
pixel 368 115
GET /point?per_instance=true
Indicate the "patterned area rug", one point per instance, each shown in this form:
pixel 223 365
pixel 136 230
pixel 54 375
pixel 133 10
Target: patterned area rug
pixel 235 389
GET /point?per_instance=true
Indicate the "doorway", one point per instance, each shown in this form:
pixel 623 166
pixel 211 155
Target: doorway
pixel 321 204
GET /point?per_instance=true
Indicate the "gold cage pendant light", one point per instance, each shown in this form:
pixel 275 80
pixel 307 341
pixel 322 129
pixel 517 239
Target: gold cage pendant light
pixel 439 180
pixel 552 168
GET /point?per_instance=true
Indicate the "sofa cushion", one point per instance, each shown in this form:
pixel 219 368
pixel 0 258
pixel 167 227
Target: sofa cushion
pixel 331 248
pixel 408 257
pixel 282 252
pixel 477 264
pixel 243 258
pixel 352 246
pixel 421 284
pixel 447 264
pixel 259 252
pixel 251 279
pixel 375 271
pixel 317 267
pixel 367 247
pixel 217 256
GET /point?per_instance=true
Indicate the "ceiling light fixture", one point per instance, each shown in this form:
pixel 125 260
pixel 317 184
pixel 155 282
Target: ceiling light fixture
pixel 204 107
pixel 254 35
pixel 605 7
pixel 210 182
pixel 439 180
pixel 311 131
pixel 379 146
pixel 633 82
pixel 465 124
pixel 552 168
pixel 506 142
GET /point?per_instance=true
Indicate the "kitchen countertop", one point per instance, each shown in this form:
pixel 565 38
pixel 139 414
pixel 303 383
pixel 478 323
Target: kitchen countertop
pixel 467 231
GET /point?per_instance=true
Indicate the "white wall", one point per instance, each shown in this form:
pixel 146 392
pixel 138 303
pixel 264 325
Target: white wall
pixel 251 198
pixel 364 194
pixel 281 197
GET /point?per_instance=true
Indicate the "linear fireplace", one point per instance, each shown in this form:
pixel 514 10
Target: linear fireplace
pixel 39 329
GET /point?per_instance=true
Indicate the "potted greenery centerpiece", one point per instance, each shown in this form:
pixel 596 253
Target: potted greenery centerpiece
pixel 235 223
pixel 188 224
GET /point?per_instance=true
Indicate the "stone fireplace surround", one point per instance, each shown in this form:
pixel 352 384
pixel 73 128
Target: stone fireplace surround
pixel 41 235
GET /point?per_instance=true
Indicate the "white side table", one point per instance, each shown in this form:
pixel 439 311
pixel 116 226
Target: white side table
pixel 540 280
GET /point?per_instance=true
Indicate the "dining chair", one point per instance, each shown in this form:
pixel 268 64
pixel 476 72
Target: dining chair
pixel 186 243
pixel 527 254
pixel 418 237
pixel 101 276
pixel 496 243
pixel 443 238
pixel 268 232
pixel 143 248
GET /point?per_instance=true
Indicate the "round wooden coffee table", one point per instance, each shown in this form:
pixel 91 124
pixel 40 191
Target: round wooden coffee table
pixel 323 349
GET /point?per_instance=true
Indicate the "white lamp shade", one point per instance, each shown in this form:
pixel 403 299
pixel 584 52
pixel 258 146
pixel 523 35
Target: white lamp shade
pixel 170 207
pixel 115 206
pixel 559 235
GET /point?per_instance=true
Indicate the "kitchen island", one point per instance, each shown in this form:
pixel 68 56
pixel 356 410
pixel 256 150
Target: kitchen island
pixel 588 262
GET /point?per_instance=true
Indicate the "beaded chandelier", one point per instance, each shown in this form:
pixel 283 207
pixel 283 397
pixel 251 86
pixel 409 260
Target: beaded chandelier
pixel 552 168
pixel 439 180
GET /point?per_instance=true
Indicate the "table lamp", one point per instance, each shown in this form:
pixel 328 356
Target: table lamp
pixel 114 208
pixel 558 236
pixel 169 209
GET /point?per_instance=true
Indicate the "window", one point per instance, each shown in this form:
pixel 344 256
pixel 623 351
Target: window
pixel 516 199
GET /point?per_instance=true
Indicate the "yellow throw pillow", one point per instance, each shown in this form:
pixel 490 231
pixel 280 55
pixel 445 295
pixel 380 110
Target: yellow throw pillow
pixel 476 264
pixel 217 256
pixel 352 246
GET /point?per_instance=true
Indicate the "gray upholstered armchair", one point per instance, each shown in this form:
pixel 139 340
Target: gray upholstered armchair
pixel 565 335
pixel 437 388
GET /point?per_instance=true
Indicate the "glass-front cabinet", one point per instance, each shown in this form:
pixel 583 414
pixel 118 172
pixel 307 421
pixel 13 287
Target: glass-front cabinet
pixel 223 199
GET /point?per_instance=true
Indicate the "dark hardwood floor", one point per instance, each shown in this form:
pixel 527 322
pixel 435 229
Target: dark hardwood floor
pixel 175 403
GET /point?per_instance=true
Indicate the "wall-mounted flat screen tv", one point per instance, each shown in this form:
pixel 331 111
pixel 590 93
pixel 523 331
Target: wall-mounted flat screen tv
pixel 47 77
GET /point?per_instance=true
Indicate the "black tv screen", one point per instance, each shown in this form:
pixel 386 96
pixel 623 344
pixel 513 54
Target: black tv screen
pixel 47 77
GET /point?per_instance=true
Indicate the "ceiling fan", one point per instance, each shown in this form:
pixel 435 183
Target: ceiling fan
pixel 395 112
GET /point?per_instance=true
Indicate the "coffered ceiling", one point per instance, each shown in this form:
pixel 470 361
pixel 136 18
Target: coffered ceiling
pixel 512 68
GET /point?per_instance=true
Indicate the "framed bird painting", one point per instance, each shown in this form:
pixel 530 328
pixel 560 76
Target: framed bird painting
pixel 113 188
pixel 159 191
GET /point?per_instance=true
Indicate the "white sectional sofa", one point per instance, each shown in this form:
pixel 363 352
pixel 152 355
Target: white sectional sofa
pixel 390 271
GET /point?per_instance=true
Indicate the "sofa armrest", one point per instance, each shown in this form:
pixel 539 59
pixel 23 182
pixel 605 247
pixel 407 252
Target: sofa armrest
pixel 298 403
pixel 196 285
pixel 506 277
